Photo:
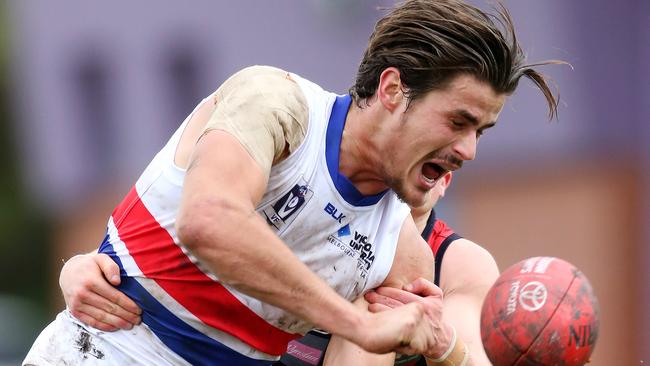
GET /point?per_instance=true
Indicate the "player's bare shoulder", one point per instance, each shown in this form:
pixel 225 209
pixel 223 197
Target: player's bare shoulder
pixel 467 267
pixel 265 109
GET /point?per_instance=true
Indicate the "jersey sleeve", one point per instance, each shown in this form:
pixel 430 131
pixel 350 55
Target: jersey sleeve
pixel 265 110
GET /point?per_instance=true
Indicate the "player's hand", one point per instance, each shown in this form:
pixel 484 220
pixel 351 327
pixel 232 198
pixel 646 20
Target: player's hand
pixel 402 330
pixel 87 284
pixel 429 296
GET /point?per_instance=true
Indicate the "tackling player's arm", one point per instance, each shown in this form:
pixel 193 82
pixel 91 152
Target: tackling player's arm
pixel 468 271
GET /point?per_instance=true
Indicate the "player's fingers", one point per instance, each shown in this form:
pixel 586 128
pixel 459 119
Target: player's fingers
pixel 413 345
pixel 112 296
pixel 100 315
pixel 377 308
pixel 121 300
pixel 418 340
pixel 423 287
pixel 406 350
pixel 125 302
pixel 375 298
pixel 92 321
pixel 398 295
pixel 111 308
pixel 109 268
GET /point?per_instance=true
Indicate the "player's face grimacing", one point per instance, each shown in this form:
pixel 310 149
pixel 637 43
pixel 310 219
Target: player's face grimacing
pixel 438 133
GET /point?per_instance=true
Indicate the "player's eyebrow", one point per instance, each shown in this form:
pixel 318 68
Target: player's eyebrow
pixel 469 117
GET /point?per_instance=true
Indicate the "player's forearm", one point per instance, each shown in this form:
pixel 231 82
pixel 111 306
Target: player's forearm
pixel 244 253
pixel 463 312
pixel 466 289
pixel 343 352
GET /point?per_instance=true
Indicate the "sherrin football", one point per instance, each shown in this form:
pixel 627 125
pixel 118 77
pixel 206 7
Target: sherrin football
pixel 540 311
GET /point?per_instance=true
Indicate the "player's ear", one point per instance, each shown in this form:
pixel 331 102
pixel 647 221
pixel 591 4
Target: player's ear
pixel 389 90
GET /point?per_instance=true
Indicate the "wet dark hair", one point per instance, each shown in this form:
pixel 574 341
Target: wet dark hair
pixel 432 41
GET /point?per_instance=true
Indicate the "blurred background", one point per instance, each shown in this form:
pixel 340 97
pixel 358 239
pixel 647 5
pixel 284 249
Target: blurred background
pixel 89 91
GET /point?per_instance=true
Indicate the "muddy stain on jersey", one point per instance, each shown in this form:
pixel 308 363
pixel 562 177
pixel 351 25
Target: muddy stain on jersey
pixel 85 344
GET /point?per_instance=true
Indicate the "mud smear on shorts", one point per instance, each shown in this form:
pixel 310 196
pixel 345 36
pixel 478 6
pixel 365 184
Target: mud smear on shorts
pixel 86 346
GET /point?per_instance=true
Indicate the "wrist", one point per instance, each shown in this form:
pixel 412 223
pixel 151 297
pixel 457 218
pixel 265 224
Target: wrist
pixel 346 321
pixel 443 347
pixel 445 337
pixel 353 325
pixel 456 353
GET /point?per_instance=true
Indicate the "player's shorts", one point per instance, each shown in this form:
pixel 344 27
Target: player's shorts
pixel 66 341
pixel 310 351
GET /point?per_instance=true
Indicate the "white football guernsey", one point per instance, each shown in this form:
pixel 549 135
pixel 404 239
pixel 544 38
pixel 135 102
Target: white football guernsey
pixel 347 239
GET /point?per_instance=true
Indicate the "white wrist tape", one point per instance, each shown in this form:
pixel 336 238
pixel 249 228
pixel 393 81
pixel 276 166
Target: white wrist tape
pixel 465 356
pixel 452 344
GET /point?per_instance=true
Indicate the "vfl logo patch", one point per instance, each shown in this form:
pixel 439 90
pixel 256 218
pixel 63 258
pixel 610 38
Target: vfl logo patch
pixel 282 212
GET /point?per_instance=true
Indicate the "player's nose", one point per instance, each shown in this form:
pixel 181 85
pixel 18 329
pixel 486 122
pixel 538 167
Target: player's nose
pixel 465 147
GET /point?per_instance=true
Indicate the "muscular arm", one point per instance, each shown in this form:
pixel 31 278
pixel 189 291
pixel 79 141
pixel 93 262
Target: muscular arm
pixel 467 273
pixel 222 186
pixel 217 222
pixel 256 110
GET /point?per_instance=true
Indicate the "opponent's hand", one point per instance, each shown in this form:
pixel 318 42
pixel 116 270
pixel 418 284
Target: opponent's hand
pixel 86 281
pixel 423 292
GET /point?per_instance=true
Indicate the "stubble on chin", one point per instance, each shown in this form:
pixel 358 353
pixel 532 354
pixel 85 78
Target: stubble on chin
pixel 399 187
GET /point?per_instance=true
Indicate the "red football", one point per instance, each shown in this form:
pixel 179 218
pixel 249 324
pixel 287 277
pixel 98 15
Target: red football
pixel 540 311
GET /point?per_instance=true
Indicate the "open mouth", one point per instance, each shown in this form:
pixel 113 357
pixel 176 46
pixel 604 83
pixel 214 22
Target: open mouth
pixel 432 172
